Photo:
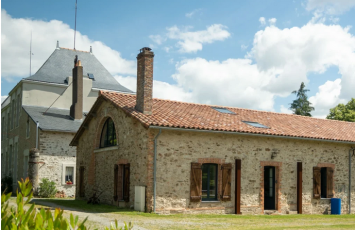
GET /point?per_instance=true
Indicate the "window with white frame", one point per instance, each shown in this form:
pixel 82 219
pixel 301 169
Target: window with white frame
pixel 68 173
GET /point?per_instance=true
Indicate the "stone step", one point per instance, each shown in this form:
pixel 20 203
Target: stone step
pixel 270 212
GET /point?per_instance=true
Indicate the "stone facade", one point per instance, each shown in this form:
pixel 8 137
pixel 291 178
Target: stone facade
pixel 176 150
pixel 55 155
pixel 98 164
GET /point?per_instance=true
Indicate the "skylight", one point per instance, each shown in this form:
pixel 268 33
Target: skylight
pixel 223 110
pixel 256 124
pixel 91 76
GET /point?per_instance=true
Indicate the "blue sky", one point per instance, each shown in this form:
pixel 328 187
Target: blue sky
pixel 249 54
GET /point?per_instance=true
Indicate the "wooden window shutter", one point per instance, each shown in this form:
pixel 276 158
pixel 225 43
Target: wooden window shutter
pixel 330 172
pixel 81 182
pixel 115 183
pixel 126 182
pixel 226 182
pixel 196 182
pixel 316 182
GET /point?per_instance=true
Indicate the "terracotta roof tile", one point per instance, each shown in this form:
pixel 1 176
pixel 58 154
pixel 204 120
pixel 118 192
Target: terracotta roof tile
pixel 198 116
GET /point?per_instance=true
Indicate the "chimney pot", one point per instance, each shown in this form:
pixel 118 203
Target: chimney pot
pixel 144 97
pixel 57 45
pixel 91 49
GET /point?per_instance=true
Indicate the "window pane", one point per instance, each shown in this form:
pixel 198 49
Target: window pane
pixel 204 181
pixel 103 136
pixel 69 172
pixel 213 184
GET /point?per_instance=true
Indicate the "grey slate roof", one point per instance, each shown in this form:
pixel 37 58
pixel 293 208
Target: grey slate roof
pixel 53 120
pixel 60 64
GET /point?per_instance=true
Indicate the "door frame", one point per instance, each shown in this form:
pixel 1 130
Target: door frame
pixel 278 182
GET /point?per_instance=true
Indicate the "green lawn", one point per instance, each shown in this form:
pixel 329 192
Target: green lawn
pixel 181 221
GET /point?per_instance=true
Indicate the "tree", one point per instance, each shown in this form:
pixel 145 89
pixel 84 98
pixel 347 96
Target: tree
pixel 301 106
pixel 343 112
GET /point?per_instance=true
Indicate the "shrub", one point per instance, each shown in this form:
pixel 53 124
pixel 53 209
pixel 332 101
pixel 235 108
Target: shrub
pixel 47 188
pixel 20 218
pixel 6 184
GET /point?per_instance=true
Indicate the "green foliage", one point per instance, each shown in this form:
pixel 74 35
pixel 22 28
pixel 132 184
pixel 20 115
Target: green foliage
pixel 6 184
pixel 343 112
pixel 47 188
pixel 301 106
pixel 20 218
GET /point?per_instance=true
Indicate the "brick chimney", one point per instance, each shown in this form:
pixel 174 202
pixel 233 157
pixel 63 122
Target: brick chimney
pixel 76 109
pixel 144 99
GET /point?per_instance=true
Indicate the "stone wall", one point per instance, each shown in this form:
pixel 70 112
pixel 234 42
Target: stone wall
pixel 177 149
pixel 54 152
pixel 99 162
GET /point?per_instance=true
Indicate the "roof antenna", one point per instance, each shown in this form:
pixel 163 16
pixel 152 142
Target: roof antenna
pixel 76 8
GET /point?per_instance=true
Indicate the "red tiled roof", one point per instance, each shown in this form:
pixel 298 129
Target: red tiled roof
pixel 197 116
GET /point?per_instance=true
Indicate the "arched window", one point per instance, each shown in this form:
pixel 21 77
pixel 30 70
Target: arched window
pixel 108 135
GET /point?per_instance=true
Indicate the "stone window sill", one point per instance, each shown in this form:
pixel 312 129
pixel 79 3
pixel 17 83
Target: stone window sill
pixel 68 184
pixel 106 149
pixel 210 201
pixel 325 198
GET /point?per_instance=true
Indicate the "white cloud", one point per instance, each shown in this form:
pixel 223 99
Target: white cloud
pixel 272 21
pixel 157 39
pixel 15 44
pixel 233 82
pixel 326 98
pixel 192 13
pixel 244 47
pixel 283 109
pixel 293 53
pixel 161 89
pixel 192 41
pixel 262 21
pixel 330 6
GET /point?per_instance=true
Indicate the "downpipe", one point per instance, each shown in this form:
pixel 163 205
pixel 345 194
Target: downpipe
pixel 155 170
pixel 352 149
pixel 37 135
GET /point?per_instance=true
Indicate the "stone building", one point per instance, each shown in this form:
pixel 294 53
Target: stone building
pixel 195 158
pixel 37 114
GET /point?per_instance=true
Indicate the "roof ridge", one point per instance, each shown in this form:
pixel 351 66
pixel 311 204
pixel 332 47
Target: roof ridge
pixel 221 106
pixel 74 50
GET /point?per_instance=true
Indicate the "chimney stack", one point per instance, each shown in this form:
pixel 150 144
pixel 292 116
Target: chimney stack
pixel 144 97
pixel 76 109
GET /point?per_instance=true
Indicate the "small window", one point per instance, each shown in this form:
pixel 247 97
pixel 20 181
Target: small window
pixel 91 76
pixel 323 182
pixel 256 124
pixel 209 182
pixel 108 135
pixel 68 176
pixel 223 110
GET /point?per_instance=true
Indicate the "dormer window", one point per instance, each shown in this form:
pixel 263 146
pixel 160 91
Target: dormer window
pixel 108 134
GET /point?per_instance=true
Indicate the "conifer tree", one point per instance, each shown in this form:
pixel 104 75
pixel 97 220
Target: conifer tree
pixel 301 106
